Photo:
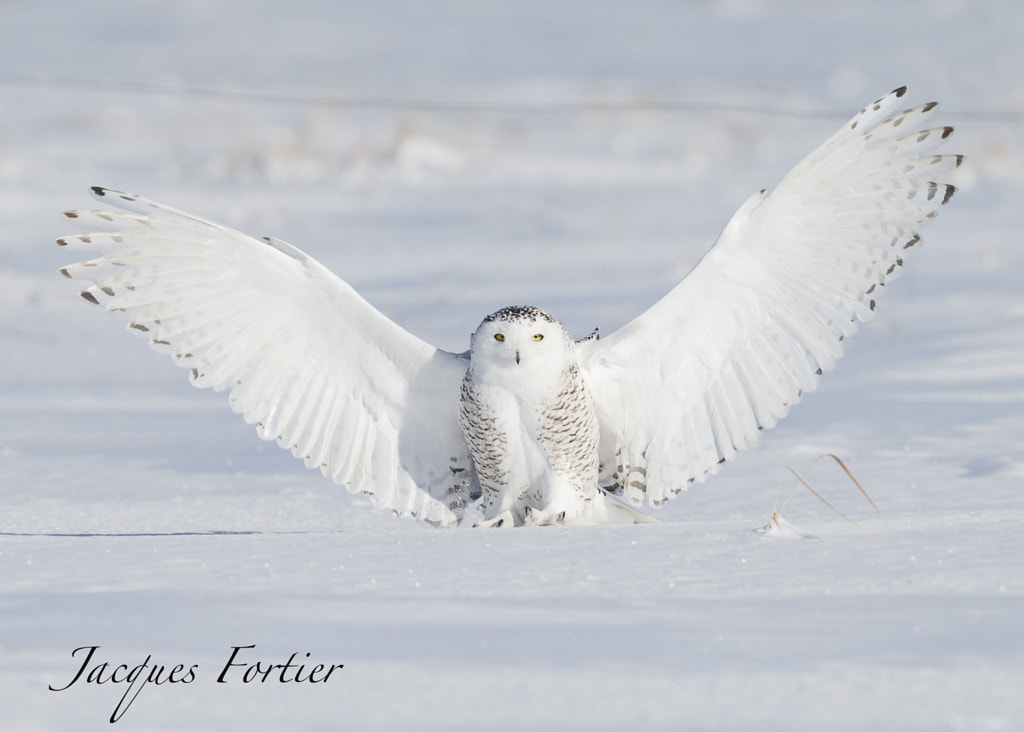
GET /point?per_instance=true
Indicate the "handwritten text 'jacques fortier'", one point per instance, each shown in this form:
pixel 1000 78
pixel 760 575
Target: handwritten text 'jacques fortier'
pixel 237 669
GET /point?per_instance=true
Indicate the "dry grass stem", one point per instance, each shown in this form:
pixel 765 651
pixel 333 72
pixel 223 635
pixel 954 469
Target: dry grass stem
pixel 774 521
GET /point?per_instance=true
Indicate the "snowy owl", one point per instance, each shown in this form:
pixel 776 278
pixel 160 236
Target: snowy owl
pixel 529 426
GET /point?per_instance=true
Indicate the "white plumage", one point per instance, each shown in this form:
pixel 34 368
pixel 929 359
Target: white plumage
pixel 529 426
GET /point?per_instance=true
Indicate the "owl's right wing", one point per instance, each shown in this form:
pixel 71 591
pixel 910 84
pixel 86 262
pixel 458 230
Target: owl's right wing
pixel 303 356
pixel 725 354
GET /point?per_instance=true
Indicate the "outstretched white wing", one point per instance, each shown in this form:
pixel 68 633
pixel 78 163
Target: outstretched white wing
pixel 694 379
pixel 303 356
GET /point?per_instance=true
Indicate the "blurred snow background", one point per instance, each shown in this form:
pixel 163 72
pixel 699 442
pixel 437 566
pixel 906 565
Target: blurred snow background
pixel 449 158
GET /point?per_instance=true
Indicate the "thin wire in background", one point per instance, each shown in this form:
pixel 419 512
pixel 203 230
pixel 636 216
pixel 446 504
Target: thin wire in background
pixel 450 107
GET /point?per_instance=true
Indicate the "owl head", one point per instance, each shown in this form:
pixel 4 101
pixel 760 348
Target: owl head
pixel 521 340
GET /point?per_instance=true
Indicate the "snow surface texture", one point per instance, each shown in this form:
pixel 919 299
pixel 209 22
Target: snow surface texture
pixel 142 516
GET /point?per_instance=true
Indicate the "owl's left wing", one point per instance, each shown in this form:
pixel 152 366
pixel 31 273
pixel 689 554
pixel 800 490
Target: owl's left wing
pixel 725 354
pixel 301 354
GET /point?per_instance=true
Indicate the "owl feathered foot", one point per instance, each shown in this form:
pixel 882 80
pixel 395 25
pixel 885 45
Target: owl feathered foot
pixel 543 518
pixel 504 520
pixel 531 517
pixel 606 509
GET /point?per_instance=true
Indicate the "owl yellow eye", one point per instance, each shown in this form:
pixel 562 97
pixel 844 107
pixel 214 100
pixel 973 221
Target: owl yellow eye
pixel 538 336
pixel 499 336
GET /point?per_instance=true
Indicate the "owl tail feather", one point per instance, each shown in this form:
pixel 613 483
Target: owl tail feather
pixel 610 510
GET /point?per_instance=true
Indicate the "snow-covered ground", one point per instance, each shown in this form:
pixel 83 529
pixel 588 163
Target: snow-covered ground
pixel 476 163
